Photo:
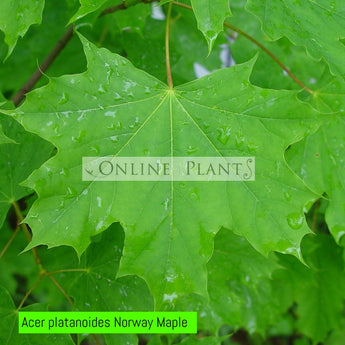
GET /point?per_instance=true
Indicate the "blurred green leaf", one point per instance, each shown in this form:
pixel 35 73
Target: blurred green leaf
pixel 16 16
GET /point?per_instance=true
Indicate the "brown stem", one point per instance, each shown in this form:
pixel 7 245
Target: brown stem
pixel 112 9
pixel 123 6
pixel 270 55
pixel 20 95
pixel 291 75
pixel 315 211
pixel 62 290
pixel 60 45
pixel 102 37
pixel 29 292
pixel 66 295
pixel 167 52
pixel 96 339
pixel 27 233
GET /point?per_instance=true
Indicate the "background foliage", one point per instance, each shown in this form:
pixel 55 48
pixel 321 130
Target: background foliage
pixel 261 262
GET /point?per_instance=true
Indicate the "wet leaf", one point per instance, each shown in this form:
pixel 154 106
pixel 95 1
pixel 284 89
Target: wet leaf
pixel 319 158
pixel 115 109
pixel 9 325
pixel 306 68
pixel 210 15
pixel 89 6
pixel 14 165
pixel 4 139
pixel 317 25
pixel 16 16
pixel 317 289
pixel 97 289
pixel 240 288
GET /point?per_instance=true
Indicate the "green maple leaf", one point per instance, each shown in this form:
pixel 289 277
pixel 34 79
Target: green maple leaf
pixel 102 291
pixel 319 158
pixel 89 6
pixel 294 57
pixel 16 16
pixel 9 325
pixel 113 109
pixel 317 25
pixel 239 285
pixel 317 289
pixel 11 264
pixel 245 299
pixel 252 292
pixel 133 19
pixel 210 15
pixel 14 164
pixel 4 139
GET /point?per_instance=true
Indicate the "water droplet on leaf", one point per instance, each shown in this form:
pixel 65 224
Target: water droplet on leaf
pixel 224 134
pixel 64 98
pixel 191 149
pixel 287 196
pixel 295 220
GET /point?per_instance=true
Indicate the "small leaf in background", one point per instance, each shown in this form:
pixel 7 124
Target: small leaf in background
pixel 89 6
pixel 133 19
pixel 318 290
pixel 16 16
pixel 34 47
pixel 5 139
pixel 317 25
pixel 97 289
pixel 308 70
pixel 210 15
pixel 320 158
pixel 9 325
pixel 239 285
pixel 17 271
pixel 15 166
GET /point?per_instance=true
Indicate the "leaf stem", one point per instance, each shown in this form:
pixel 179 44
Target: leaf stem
pixel 112 9
pixel 20 95
pixel 61 289
pixel 252 39
pixel 68 270
pixel 123 6
pixel 167 52
pixel 15 232
pixel 96 339
pixel 271 55
pixel 60 45
pixel 27 233
pixel 315 212
pixel 29 292
pixel 66 295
